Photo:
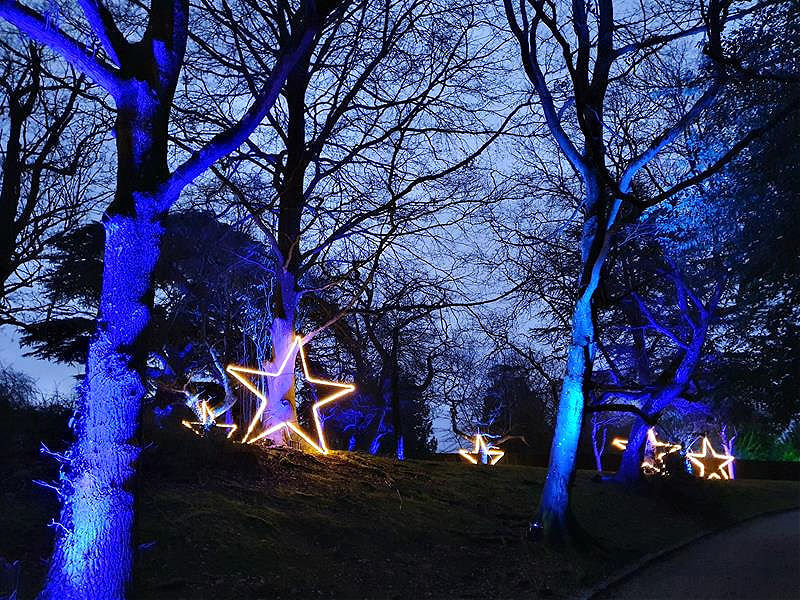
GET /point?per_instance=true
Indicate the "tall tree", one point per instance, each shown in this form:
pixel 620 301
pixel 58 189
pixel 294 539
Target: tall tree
pixel 93 553
pixel 380 127
pixel 604 70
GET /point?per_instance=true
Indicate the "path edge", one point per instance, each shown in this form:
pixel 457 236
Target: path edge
pixel 628 571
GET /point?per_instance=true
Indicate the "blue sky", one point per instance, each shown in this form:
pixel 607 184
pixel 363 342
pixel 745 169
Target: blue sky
pixel 50 377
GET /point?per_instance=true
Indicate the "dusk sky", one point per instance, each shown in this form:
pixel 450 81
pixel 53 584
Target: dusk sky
pixel 50 377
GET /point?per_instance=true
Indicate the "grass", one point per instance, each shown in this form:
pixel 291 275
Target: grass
pixel 223 521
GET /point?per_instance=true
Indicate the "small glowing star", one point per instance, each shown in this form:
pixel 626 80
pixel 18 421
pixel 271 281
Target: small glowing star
pixel 620 443
pixel 208 419
pixel 493 452
pixel 660 450
pixel 297 345
pixel 710 464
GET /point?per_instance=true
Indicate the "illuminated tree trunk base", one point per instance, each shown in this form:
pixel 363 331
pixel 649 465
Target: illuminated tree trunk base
pixel 630 469
pixel 282 331
pixel 554 522
pixel 93 552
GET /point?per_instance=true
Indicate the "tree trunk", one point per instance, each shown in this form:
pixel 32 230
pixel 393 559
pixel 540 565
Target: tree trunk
pixel 93 552
pixel 375 444
pixel 394 395
pixel 630 469
pixel 598 447
pixel 282 405
pixel 553 520
pixel 554 516
pixel 290 209
pixel 9 192
pixel 21 101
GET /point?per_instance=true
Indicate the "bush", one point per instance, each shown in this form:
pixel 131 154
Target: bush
pixel 761 445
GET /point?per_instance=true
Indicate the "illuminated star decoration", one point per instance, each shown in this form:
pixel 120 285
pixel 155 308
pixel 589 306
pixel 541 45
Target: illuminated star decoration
pixel 710 464
pixel 343 388
pixel 620 443
pixel 208 419
pixel 481 447
pixel 660 450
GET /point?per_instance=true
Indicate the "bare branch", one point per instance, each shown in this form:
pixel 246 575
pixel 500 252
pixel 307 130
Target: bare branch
pixel 40 30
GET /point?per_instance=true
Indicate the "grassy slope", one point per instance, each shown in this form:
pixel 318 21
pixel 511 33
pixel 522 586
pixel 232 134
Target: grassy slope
pixel 235 522
pixel 221 521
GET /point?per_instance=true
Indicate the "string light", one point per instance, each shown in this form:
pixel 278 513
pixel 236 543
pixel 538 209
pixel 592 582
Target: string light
pixel 710 463
pixel 297 345
pixel 208 419
pixel 481 448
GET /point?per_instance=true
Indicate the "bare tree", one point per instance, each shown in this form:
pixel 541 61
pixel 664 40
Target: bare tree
pixel 379 128
pixel 93 552
pixel 52 170
pixel 659 370
pixel 598 67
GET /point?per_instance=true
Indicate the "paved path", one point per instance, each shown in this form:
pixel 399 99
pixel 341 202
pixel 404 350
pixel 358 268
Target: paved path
pixel 759 559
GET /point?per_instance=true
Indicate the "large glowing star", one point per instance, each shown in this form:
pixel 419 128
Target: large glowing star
pixel 660 450
pixel 342 389
pixel 709 463
pixel 481 447
pixel 208 419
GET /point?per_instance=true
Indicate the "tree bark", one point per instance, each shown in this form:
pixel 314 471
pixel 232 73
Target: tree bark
pixel 282 405
pixel 630 468
pixel 553 515
pixel 93 552
pixel 553 519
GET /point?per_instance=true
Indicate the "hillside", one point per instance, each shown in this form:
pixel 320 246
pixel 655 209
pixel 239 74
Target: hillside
pixel 226 521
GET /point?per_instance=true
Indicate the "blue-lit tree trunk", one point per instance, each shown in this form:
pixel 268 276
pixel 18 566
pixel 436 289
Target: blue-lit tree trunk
pixel 630 467
pixel 93 553
pixel 553 518
pixel 586 57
